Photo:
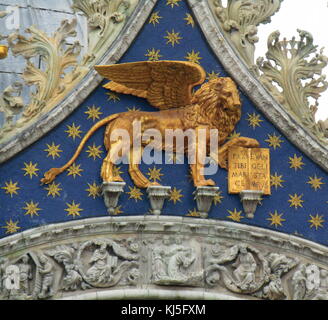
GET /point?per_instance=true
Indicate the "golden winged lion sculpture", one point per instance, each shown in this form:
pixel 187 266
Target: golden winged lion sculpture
pixel 168 86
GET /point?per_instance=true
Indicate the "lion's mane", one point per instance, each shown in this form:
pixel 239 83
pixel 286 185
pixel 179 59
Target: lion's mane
pixel 210 106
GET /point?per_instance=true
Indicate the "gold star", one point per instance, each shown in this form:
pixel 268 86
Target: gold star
pixel 315 182
pixel 11 188
pixel 274 141
pixel 154 18
pixel 112 96
pixel 316 221
pixel 11 227
pixel 117 171
pixel 94 190
pixel 276 219
pixel 193 213
pixel 153 55
pixel 296 162
pixel 234 135
pixel 296 201
pixel 94 152
pixel 135 194
pixel 193 57
pixel 254 120
pixel 74 170
pixel 133 109
pixel 93 113
pixel 53 151
pixel 73 209
pixel 218 198
pixel 176 195
pixel 173 3
pixel 32 209
pixel 173 37
pixel 155 174
pixel 30 169
pixel 212 76
pixel 73 131
pixel 53 190
pixel 235 215
pixel 117 211
pixel 189 19
pixel 276 181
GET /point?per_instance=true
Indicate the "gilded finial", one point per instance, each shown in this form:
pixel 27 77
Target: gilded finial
pixel 3 52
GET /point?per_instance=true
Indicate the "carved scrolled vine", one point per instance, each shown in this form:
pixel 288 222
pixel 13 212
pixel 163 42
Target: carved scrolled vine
pixel 245 270
pixel 105 20
pixel 58 73
pixel 310 282
pixel 109 262
pixel 56 56
pixel 61 65
pixel 295 66
pixel 239 20
pixel 241 268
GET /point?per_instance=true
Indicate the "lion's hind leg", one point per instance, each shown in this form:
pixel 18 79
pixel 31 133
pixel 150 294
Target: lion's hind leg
pixel 107 169
pixel 136 175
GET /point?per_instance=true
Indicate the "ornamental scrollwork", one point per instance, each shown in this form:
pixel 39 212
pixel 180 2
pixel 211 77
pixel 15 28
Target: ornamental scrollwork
pixel 231 268
pixel 54 66
pixel 105 20
pixel 296 66
pixel 243 269
pixel 240 19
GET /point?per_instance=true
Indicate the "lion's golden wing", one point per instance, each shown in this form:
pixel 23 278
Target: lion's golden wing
pixel 165 84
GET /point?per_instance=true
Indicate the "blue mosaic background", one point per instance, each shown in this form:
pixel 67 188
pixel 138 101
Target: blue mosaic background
pixel 297 220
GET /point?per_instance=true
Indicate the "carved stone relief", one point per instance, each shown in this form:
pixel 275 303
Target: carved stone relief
pixel 64 68
pixel 240 19
pixel 159 253
pixel 296 66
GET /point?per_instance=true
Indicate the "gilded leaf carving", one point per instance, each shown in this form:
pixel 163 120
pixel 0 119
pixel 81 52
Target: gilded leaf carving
pixel 292 72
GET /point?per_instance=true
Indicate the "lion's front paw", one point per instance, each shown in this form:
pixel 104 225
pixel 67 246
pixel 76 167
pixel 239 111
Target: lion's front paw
pixel 205 183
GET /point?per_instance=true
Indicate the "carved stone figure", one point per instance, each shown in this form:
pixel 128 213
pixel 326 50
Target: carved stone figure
pixel 310 282
pixel 241 268
pixel 215 106
pixel 103 265
pixel 299 283
pixel 171 265
pixel 245 269
pixel 11 282
pixel 322 292
pixel 25 271
pixel 46 270
pixel 279 265
pixel 109 263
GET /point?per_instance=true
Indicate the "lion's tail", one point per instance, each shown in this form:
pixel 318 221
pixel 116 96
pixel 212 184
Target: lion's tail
pixel 54 172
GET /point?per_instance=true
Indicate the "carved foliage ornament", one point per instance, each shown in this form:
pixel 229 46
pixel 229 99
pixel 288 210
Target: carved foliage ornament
pixel 239 20
pixel 93 264
pixel 215 265
pixel 62 66
pixel 296 66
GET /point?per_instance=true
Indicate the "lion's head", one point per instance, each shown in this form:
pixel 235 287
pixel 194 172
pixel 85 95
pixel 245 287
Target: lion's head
pixel 219 101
